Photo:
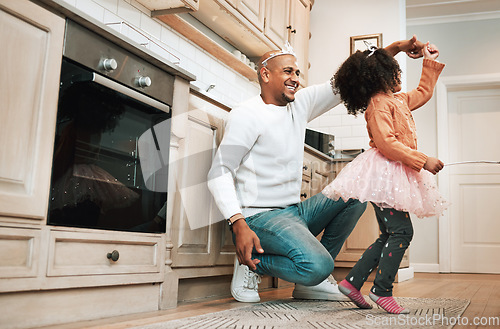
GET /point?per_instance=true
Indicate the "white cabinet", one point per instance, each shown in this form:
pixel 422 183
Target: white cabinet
pixel 299 35
pixel 317 172
pixel 277 21
pixel 28 94
pixel 253 10
pixel 255 26
pixel 46 265
pixel 200 235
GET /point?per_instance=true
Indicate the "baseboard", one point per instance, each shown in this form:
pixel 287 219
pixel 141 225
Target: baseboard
pixel 405 274
pixel 425 267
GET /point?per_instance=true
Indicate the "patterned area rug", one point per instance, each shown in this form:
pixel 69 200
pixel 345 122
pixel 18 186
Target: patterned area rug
pixel 295 314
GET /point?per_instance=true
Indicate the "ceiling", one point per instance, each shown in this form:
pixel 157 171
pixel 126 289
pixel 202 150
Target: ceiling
pixel 420 10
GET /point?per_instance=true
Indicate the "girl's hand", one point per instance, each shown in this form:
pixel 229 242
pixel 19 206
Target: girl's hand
pixel 430 51
pixel 433 165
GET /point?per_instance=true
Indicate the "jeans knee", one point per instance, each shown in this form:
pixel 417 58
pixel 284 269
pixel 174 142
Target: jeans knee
pixel 315 272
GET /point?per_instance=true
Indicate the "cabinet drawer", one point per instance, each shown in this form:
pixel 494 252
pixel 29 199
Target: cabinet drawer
pixel 307 168
pixel 75 253
pixel 19 251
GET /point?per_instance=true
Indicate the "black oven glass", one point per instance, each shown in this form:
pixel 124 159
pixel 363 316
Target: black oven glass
pixel 98 175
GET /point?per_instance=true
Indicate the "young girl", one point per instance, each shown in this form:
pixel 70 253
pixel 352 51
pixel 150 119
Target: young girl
pixel 390 173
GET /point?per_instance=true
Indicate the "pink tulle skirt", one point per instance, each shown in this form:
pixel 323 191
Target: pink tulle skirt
pixel 388 184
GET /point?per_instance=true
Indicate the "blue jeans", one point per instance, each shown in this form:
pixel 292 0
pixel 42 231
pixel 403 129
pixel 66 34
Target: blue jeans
pixel 288 237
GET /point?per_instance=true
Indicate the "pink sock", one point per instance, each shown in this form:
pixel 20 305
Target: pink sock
pixel 389 304
pixel 354 294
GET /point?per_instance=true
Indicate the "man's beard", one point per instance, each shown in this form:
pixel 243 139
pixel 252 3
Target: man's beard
pixel 287 99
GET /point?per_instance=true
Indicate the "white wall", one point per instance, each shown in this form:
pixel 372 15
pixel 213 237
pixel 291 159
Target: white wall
pixel 230 87
pixel 467 48
pixel 332 25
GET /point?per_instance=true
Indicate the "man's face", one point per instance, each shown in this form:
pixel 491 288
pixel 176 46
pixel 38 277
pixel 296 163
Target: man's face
pixel 282 79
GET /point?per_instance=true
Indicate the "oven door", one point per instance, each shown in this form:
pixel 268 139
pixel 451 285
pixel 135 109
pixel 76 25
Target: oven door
pixel 110 164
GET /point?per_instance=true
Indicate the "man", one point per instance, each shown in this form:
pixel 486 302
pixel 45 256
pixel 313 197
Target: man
pixel 256 178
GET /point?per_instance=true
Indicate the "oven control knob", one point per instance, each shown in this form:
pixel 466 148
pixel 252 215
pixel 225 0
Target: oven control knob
pixel 109 64
pixel 143 81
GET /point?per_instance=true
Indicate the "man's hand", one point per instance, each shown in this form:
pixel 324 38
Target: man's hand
pixel 433 165
pixel 246 240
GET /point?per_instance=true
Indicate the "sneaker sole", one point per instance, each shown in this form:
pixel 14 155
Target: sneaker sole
pixel 320 295
pixel 245 299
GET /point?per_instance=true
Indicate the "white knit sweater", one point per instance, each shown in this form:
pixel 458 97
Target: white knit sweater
pixel 258 165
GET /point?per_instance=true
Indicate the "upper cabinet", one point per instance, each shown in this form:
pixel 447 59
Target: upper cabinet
pixel 277 21
pixel 253 27
pixel 253 10
pixel 170 6
pixel 299 34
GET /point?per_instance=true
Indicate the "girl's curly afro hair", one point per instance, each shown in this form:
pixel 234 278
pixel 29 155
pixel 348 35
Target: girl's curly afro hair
pixel 361 76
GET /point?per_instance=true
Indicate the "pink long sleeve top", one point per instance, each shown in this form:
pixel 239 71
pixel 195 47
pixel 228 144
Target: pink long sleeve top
pixel 389 121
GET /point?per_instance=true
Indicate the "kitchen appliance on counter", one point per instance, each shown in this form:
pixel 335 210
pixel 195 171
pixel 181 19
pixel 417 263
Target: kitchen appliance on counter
pixel 110 163
pixel 321 141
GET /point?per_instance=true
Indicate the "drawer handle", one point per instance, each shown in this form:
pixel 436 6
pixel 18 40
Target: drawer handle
pixel 113 255
pixel 304 195
pixel 304 167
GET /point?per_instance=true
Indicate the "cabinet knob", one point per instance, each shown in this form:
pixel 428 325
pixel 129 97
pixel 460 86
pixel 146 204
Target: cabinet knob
pixel 114 255
pixel 304 167
pixel 304 195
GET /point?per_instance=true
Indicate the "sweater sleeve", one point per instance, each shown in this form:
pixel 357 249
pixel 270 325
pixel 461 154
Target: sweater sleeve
pixel 381 127
pixel 317 99
pixel 239 137
pixel 421 95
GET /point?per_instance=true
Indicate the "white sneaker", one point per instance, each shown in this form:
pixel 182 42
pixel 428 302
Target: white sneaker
pixel 326 290
pixel 245 284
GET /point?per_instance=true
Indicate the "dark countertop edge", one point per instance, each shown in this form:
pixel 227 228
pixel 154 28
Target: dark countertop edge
pixel 323 156
pixel 68 11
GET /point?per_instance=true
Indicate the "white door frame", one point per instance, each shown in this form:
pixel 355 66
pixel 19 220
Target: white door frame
pixel 445 85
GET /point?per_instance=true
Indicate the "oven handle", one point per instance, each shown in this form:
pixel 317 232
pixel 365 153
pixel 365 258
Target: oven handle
pixel 97 78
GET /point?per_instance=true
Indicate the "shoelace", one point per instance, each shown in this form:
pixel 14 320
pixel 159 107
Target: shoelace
pixel 252 280
pixel 331 280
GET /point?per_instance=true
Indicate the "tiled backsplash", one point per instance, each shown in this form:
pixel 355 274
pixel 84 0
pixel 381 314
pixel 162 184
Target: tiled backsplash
pixel 350 132
pixel 133 21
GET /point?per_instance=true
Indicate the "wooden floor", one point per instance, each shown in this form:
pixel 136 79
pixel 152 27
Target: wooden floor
pixel 482 290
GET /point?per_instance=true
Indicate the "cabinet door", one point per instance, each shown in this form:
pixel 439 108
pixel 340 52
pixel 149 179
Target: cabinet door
pixel 299 35
pixel 277 20
pixel 254 11
pixel 200 236
pixel 31 62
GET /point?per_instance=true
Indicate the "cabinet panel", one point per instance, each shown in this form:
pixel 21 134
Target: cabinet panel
pixel 28 105
pixel 277 20
pixel 20 250
pixel 254 11
pixel 299 35
pixel 74 253
pixel 199 236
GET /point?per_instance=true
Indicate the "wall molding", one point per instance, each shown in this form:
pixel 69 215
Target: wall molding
pixel 425 267
pixel 445 85
pixel 453 18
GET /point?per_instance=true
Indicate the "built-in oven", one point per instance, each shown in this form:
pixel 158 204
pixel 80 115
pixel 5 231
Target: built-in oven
pixel 110 163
